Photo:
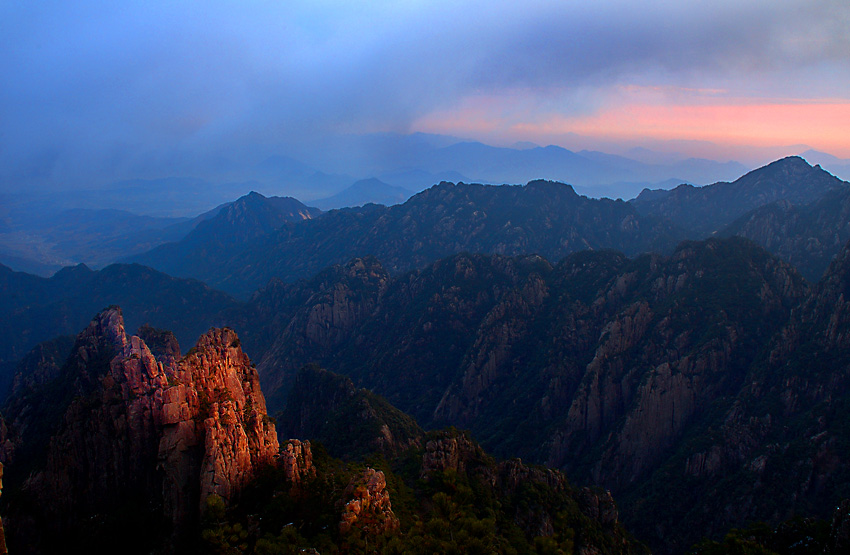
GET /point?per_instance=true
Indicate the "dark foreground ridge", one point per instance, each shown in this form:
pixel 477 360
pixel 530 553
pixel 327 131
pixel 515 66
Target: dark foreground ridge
pixel 655 377
pixel 129 448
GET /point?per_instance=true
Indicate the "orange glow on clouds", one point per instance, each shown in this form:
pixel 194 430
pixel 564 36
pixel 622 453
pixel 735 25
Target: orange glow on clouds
pixel 752 124
pixel 822 124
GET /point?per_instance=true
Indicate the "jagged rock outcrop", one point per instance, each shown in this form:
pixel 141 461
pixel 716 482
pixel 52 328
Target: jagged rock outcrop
pixel 130 428
pixel 449 452
pixel 367 505
pixel 105 448
pixel 296 460
pixel 215 425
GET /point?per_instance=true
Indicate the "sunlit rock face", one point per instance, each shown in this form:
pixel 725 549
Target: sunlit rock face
pixel 162 432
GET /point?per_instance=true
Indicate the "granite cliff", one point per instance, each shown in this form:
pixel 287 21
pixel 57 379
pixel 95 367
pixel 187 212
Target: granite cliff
pixel 119 428
pixel 442 494
pixel 616 371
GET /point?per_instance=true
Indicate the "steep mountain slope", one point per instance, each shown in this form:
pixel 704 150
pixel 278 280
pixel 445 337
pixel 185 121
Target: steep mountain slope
pixel 130 449
pixel 35 309
pixel 807 236
pixel 777 447
pixel 475 314
pixel 120 432
pixel 441 494
pixel 349 422
pixel 609 368
pixel 214 241
pixel 702 211
pixel 541 217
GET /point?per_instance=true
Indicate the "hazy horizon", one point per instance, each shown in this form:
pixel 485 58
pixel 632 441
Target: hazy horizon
pixel 99 92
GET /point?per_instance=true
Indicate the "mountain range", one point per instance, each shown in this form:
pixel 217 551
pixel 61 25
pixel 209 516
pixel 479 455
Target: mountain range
pixel 702 211
pixel 544 217
pixel 28 227
pixel 386 154
pixel 652 377
pixel 128 447
pixel 684 351
pixel 35 309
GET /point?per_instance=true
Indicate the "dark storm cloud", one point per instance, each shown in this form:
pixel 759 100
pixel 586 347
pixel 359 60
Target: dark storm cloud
pixel 97 90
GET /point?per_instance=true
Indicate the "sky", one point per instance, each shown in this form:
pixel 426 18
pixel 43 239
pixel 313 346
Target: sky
pixel 95 91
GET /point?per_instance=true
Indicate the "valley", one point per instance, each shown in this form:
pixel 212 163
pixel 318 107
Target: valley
pixel 687 360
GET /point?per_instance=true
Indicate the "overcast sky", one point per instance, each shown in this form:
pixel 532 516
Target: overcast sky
pixel 103 90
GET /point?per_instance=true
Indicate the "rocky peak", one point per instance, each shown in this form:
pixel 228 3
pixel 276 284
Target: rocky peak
pixel 215 425
pixel 168 432
pixel 296 460
pixel 705 210
pixel 162 343
pixel 544 185
pixel 368 505
pixel 451 451
pixel 218 368
pixel 107 326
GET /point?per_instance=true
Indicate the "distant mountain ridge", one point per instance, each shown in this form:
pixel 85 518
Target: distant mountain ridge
pixel 248 219
pixel 544 217
pixel 362 192
pixel 95 237
pixel 701 211
pixel 386 154
pixel 541 217
pixel 35 309
pixel 808 236
pixel 251 216
pixel 585 168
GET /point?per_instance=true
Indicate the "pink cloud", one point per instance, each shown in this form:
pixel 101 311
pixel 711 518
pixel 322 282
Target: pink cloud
pixel 687 114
